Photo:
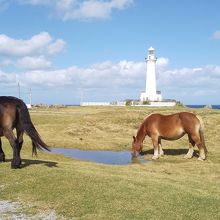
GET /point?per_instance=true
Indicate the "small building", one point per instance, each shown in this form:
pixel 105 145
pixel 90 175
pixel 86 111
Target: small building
pixel 95 104
pixel 28 106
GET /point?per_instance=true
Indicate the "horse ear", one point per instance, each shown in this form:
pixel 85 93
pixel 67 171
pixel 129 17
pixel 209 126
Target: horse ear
pixel 134 138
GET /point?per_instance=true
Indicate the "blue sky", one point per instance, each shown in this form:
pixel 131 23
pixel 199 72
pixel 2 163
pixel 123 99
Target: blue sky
pixel 94 50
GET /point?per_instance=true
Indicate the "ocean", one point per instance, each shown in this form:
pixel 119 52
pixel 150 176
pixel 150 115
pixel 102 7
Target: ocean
pixel 202 106
pixel 190 106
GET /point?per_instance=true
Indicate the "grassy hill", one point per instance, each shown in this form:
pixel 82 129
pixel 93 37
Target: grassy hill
pixel 169 188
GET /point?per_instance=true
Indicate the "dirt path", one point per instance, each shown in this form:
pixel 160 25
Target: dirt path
pixel 13 211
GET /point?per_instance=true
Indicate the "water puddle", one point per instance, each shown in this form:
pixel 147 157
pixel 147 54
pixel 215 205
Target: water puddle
pixel 104 157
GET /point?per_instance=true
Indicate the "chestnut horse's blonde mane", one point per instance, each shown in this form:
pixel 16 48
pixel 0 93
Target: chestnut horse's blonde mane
pixel 149 115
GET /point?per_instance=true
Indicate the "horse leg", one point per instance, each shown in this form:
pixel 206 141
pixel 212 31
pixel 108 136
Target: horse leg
pixel 197 140
pixel 2 154
pixel 189 154
pixel 20 133
pixel 16 161
pixel 156 147
pixel 161 153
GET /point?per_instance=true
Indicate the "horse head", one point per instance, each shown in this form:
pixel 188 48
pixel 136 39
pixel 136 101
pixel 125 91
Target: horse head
pixel 136 147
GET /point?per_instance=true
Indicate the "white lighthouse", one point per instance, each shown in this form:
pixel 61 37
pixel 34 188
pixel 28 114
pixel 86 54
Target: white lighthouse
pixel 151 93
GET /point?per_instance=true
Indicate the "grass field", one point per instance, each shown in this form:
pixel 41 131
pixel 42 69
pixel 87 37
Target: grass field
pixel 169 188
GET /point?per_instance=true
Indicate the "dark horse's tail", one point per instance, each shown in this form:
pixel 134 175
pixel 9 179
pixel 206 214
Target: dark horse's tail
pixel 29 128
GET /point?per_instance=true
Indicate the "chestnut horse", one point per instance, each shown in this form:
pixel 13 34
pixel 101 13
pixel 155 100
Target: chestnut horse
pixel 14 114
pixel 171 127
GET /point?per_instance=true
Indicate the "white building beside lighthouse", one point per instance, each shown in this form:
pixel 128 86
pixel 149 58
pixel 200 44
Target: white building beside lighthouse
pixel 151 93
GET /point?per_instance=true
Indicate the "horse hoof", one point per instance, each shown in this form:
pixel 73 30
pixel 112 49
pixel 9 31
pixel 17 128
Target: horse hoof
pixel 200 159
pixel 141 153
pixel 155 157
pixel 15 166
pixel 187 157
pixel 161 154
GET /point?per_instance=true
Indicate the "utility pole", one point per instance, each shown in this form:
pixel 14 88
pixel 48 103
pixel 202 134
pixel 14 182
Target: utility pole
pixel 81 96
pixel 19 92
pixel 30 97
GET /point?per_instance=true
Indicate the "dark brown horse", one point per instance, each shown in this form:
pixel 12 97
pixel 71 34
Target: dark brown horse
pixel 14 114
pixel 171 127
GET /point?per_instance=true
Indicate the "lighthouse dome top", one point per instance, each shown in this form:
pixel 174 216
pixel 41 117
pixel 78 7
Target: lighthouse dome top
pixel 151 48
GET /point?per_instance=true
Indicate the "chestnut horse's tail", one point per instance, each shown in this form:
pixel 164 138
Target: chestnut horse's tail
pixel 201 133
pixel 29 128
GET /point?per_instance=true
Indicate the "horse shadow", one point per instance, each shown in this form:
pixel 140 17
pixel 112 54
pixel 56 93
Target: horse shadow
pixel 28 162
pixel 173 152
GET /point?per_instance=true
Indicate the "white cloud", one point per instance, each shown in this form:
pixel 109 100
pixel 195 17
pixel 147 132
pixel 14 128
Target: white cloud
pixel 33 53
pixel 120 4
pixel 89 9
pixel 106 74
pixel 195 85
pixel 77 9
pixel 6 62
pixel 122 74
pixel 6 78
pixel 125 77
pixel 162 62
pixel 216 35
pixel 56 47
pixel 32 63
pixel 125 74
pixel 35 45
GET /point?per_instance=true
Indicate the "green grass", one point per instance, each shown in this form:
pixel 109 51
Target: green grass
pixel 170 188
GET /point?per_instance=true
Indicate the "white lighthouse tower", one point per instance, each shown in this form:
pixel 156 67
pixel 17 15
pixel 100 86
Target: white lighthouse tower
pixel 151 93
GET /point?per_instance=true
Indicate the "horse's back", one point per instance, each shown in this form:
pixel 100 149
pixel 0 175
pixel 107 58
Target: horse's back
pixel 8 104
pixel 181 117
pixel 8 110
pixel 171 126
pixel 9 99
pixel 160 120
